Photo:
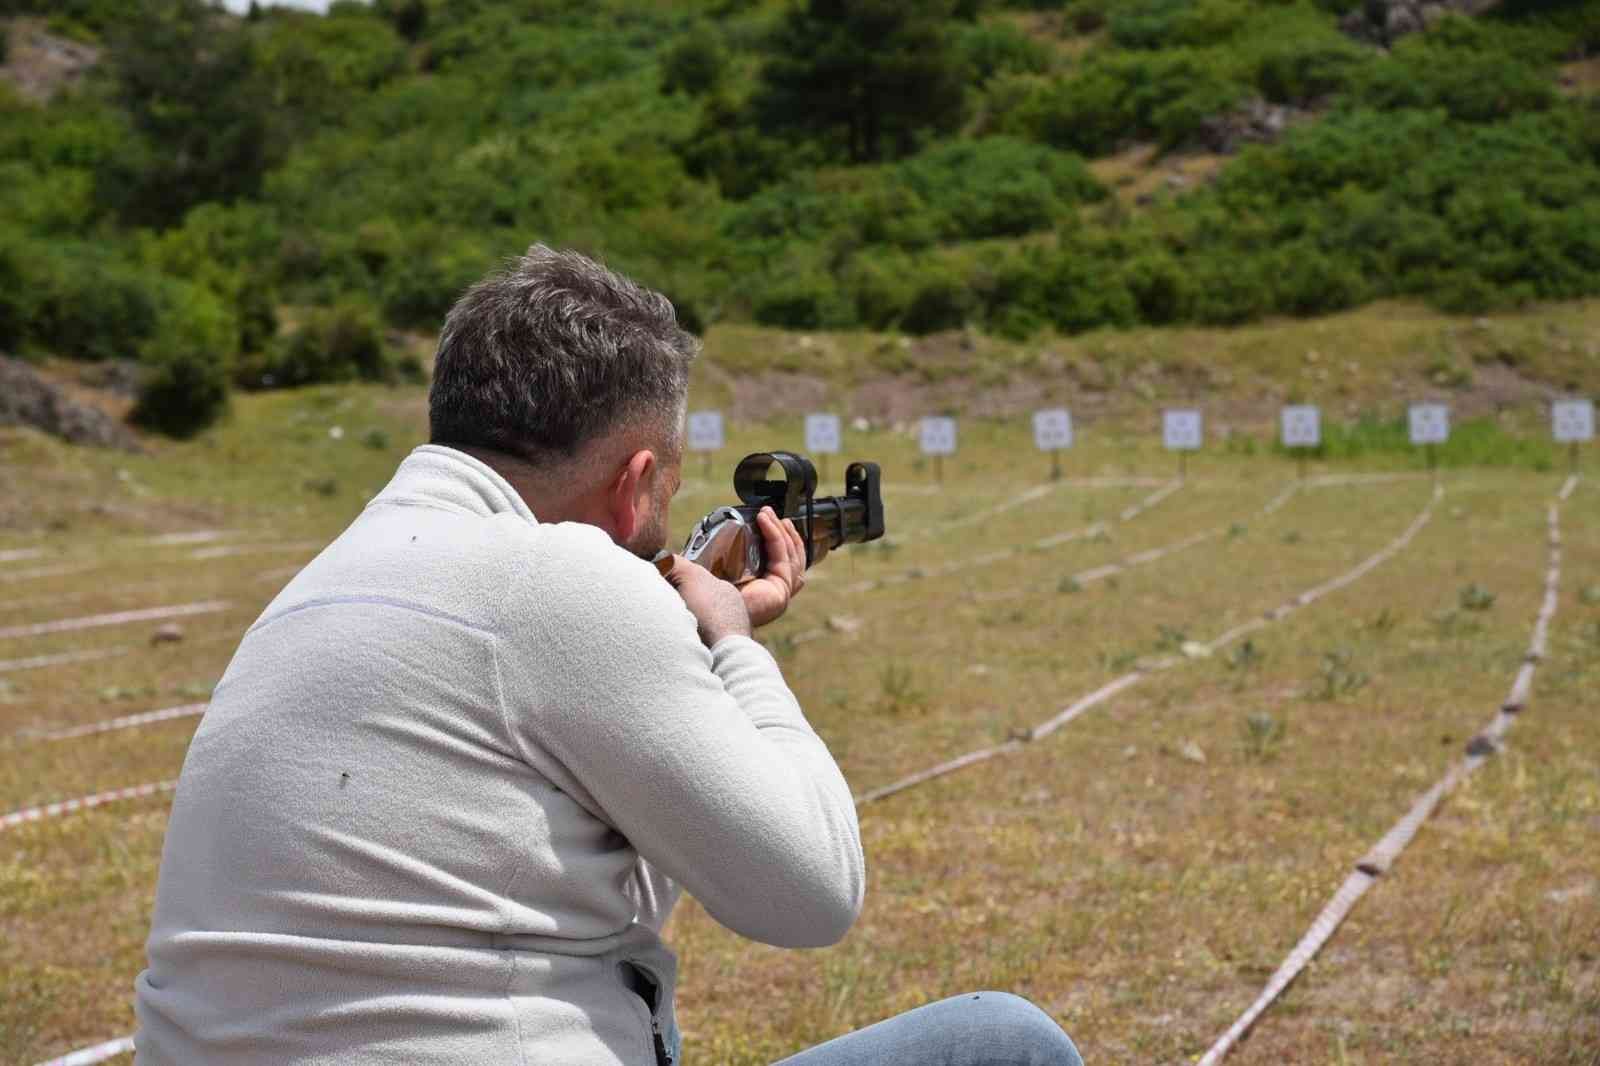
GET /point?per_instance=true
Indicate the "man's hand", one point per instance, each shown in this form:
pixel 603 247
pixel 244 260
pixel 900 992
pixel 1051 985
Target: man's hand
pixel 768 596
pixel 717 606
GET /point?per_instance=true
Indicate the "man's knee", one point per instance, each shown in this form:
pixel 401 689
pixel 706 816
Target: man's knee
pixel 1030 1035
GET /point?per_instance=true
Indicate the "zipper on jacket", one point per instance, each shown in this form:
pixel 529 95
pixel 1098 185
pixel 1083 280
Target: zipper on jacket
pixel 634 976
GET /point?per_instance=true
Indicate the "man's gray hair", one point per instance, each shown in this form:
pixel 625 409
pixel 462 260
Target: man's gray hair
pixel 552 352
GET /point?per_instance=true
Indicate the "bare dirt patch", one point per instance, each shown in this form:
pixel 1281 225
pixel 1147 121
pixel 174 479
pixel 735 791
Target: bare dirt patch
pixel 40 64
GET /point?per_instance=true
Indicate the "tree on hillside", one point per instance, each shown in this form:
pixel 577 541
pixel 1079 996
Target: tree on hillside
pixel 187 80
pixel 865 76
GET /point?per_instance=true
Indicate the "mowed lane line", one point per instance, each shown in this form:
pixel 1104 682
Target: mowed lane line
pixel 1120 684
pixel 1377 862
pixel 1055 540
pixel 115 618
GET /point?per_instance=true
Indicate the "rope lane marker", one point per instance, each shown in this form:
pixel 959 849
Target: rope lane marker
pixel 1117 685
pixel 1037 492
pixel 1382 856
pixel 82 803
pixel 34 662
pixel 1149 555
pixel 44 571
pixel 116 618
pixel 127 721
pixel 122 1045
pixel 1042 544
pixel 228 550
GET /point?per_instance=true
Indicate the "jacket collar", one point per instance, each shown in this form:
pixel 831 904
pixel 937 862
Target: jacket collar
pixel 439 476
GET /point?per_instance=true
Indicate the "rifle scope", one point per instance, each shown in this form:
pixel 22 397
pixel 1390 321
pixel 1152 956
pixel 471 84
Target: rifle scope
pixel 728 543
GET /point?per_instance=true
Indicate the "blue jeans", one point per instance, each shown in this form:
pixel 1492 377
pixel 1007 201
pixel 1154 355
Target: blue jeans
pixel 977 1029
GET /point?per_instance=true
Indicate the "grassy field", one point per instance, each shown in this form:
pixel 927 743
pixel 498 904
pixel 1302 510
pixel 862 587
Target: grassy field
pixel 1138 873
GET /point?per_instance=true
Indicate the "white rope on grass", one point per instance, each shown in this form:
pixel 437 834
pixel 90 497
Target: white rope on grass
pixel 122 1045
pixel 1382 856
pixel 1126 681
pixel 127 721
pixel 10 576
pixel 225 551
pixel 1042 544
pixel 197 536
pixel 17 555
pixel 34 662
pixel 82 803
pixel 116 618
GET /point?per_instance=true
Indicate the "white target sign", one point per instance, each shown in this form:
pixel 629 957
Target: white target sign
pixel 822 434
pixel 1572 421
pixel 938 436
pixel 1181 431
pixel 1301 426
pixel 1430 423
pixel 1052 429
pixel 705 431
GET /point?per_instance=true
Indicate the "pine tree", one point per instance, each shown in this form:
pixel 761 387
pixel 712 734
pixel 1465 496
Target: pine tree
pixel 864 76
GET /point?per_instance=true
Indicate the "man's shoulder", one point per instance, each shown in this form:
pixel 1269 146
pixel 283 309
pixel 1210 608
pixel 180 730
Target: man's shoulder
pixel 577 571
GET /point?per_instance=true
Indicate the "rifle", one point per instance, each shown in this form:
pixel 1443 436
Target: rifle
pixel 728 543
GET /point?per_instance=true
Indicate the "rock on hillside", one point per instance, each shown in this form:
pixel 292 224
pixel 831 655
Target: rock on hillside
pixel 27 399
pixel 40 64
pixel 1382 22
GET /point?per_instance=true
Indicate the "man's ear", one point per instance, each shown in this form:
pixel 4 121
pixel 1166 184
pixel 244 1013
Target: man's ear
pixel 629 494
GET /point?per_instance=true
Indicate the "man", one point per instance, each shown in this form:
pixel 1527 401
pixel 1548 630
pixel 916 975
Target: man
pixel 449 788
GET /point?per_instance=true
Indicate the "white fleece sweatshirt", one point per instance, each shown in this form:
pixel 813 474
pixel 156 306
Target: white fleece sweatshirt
pixel 447 790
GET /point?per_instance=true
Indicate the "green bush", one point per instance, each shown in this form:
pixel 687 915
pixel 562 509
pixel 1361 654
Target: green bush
pixel 89 307
pixel 941 299
pixel 184 386
pixel 995 48
pixel 343 343
pixel 16 296
pixel 1461 67
pixel 695 65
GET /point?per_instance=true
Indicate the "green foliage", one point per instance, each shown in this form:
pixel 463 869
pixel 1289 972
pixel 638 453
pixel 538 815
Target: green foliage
pixel 696 64
pixel 187 85
pixel 865 78
pixel 1263 735
pixel 86 306
pixel 343 343
pixel 817 165
pixel 991 49
pixel 1461 67
pixel 187 362
pixel 16 296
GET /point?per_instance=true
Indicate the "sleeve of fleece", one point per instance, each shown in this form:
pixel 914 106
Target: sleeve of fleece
pixel 703 761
